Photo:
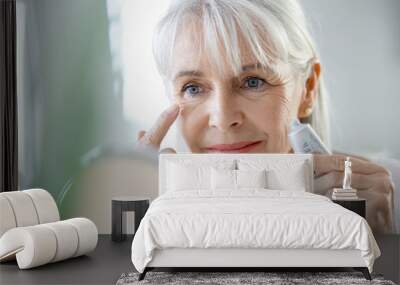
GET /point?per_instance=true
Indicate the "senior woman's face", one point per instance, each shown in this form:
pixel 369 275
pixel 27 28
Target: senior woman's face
pixel 223 113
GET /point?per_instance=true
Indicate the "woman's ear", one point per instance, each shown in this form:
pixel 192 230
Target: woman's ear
pixel 309 92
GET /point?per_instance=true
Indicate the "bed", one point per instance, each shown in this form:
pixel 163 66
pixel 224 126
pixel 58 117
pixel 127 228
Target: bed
pixel 247 211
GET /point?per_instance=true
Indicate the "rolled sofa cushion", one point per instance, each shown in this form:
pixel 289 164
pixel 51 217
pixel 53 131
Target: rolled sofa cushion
pixel 87 235
pixel 45 205
pixel 26 208
pixel 7 220
pixel 23 208
pixel 32 246
pixel 40 244
pixel 67 239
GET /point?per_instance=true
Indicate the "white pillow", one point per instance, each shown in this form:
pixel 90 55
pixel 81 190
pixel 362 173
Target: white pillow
pixel 223 179
pixel 182 177
pixel 228 179
pixel 293 179
pixel 251 178
pixel 282 174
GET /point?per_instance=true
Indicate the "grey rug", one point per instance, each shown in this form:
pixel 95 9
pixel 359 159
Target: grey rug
pixel 228 278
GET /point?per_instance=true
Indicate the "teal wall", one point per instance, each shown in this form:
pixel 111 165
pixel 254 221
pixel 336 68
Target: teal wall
pixel 69 105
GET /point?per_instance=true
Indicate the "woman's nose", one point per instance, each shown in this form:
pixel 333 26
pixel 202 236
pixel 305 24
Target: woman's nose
pixel 224 112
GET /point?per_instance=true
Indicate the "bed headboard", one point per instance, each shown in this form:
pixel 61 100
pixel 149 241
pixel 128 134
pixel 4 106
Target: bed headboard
pixel 194 158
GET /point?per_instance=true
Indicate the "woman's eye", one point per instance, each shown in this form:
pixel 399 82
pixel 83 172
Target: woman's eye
pixel 254 83
pixel 192 90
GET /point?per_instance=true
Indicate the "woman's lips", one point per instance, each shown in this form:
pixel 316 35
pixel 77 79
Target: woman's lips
pixel 244 146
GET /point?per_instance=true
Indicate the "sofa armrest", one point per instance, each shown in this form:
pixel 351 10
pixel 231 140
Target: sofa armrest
pixel 45 243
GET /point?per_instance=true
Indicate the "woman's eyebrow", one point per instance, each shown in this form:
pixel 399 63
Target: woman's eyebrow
pixel 188 73
pixel 251 66
pixel 199 73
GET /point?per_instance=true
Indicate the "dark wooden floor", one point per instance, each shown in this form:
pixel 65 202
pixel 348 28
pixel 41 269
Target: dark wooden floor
pixel 110 260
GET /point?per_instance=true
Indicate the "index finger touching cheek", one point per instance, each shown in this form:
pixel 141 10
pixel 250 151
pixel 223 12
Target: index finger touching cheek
pixel 157 133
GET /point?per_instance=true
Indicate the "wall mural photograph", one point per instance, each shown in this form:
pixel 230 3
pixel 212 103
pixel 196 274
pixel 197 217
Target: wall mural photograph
pixel 256 135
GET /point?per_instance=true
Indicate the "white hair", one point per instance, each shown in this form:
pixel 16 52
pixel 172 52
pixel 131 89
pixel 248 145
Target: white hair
pixel 275 31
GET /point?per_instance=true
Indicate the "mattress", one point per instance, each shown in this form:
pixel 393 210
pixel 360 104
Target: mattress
pixel 250 218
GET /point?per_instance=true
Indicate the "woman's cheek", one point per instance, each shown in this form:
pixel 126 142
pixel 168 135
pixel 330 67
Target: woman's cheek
pixel 272 117
pixel 286 108
pixel 191 123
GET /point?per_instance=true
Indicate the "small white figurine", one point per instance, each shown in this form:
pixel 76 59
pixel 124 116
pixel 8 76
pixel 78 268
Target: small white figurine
pixel 347 174
pixel 346 192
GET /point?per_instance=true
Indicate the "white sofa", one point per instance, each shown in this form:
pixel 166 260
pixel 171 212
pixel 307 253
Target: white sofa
pixel 31 231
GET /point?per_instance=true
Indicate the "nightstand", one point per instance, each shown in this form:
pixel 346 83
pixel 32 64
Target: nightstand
pixel 358 206
pixel 123 204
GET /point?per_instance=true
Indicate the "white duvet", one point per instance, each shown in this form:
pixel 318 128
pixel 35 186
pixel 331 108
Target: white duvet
pixel 251 218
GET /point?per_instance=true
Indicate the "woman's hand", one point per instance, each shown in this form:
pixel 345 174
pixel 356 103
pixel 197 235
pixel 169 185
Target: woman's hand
pixel 156 134
pixel 372 180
